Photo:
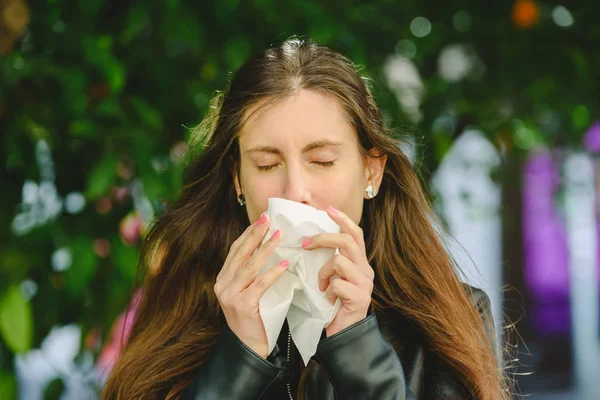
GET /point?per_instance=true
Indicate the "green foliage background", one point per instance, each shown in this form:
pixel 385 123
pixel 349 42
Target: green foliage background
pixel 112 85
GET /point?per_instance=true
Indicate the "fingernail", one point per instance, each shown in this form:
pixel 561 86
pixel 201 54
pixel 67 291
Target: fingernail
pixel 276 234
pixel 332 209
pixel 307 242
pixel 262 219
pixel 284 264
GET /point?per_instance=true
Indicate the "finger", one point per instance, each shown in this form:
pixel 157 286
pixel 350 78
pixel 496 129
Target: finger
pixel 244 246
pixel 249 270
pixel 262 220
pixel 263 282
pixel 234 248
pixel 347 292
pixel 342 267
pixel 348 226
pixel 343 241
pixel 254 237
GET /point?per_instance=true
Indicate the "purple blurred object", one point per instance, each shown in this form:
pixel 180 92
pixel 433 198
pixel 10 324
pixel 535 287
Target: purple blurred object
pixel 591 140
pixel 118 337
pixel 545 248
pixel 597 205
pixel 551 318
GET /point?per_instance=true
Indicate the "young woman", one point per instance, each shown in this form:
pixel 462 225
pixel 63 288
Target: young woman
pixel 298 122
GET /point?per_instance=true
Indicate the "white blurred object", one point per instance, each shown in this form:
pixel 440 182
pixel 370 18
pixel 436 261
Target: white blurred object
pixel 62 259
pixel 141 203
pixel 28 289
pixel 403 78
pixel 74 202
pixel 37 368
pixel 582 241
pixel 562 17
pixel 470 203
pixel 39 203
pixel 420 27
pixel 455 62
pixel 409 148
pixel 29 192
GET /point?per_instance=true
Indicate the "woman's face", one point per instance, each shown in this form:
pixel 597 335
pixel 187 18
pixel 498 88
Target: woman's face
pixel 303 149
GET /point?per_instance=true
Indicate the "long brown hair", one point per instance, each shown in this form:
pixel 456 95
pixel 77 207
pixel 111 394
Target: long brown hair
pixel 179 318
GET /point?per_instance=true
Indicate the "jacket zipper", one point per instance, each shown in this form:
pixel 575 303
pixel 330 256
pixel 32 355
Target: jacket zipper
pixel 289 358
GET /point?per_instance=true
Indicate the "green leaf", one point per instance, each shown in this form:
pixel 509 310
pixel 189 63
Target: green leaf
pixel 98 52
pixel 183 32
pixel 137 20
pixel 82 128
pixel 36 130
pixel 54 390
pixel 176 173
pixel 102 177
pixel 580 62
pixel 8 386
pixel 115 73
pixel 580 116
pixel 74 96
pixel 526 136
pixel 237 50
pixel 16 322
pixel 14 264
pixel 154 186
pixel 92 8
pixel 110 108
pixel 125 259
pixel 147 113
pixel 83 268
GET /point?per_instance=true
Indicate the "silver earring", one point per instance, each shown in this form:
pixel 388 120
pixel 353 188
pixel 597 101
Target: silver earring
pixel 241 199
pixel 371 192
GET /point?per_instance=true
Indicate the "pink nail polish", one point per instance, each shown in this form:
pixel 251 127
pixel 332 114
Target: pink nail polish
pixel 262 219
pixel 307 242
pixel 284 264
pixel 332 209
pixel 276 234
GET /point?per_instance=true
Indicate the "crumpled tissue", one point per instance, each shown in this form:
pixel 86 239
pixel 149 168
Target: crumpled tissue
pixel 296 293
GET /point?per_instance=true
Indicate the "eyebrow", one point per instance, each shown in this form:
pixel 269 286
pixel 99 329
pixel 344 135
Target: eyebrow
pixel 307 148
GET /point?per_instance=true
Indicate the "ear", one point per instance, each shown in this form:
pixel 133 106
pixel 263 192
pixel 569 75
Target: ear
pixel 374 167
pixel 235 173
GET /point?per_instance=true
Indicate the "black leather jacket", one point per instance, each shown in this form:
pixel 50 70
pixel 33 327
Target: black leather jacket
pixel 356 363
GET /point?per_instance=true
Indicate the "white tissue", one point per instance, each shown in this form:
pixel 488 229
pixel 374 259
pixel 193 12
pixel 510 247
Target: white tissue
pixel 296 293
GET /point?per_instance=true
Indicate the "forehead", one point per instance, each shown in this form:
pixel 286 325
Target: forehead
pixel 301 117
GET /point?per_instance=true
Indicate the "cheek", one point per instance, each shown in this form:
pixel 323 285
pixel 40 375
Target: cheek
pixel 257 192
pixel 344 192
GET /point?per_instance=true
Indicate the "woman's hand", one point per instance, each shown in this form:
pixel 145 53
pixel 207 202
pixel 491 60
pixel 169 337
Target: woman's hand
pixel 239 289
pixel 355 283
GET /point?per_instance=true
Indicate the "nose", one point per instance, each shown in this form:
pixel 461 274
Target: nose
pixel 297 185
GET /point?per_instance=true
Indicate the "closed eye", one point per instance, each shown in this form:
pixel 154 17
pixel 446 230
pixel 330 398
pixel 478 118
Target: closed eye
pixel 325 163
pixel 267 167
